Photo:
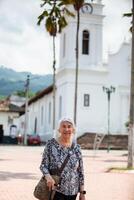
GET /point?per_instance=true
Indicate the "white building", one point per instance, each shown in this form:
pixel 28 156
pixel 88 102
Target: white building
pixel 92 111
pixel 16 100
pixel 9 118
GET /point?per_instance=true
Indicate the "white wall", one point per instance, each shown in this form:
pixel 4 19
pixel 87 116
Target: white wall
pixel 4 121
pixel 91 81
pixel 44 128
pixel 92 23
pixel 93 75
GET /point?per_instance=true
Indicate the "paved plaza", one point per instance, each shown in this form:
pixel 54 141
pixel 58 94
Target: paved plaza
pixel 19 173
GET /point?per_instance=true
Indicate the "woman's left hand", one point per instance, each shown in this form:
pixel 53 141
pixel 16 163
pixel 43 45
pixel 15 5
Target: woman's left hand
pixel 82 197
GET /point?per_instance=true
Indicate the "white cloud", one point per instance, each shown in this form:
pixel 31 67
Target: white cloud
pixel 25 46
pixel 116 27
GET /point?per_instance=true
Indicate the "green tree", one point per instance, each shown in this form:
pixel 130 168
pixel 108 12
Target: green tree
pixel 2 97
pixel 131 112
pixel 53 16
pixel 22 93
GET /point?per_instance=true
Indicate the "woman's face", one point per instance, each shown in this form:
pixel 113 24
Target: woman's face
pixel 66 129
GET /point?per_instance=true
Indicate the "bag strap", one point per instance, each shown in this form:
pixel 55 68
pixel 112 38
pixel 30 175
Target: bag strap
pixel 65 161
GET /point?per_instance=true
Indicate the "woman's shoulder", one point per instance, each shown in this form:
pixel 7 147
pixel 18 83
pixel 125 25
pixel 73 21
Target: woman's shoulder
pixel 77 147
pixel 51 142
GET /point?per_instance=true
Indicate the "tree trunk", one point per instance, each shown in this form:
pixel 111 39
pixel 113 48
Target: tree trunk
pixel 54 87
pixel 77 67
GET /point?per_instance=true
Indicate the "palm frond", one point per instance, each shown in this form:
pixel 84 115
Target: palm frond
pixel 51 26
pixel 68 13
pixel 127 15
pixel 42 16
pixel 46 2
pixel 55 16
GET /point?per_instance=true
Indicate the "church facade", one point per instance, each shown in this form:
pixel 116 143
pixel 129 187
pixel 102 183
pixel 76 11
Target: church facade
pixel 103 88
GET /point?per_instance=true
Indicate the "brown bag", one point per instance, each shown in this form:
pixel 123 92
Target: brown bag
pixel 41 190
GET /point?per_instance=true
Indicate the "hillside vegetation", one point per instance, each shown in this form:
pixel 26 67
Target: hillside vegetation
pixel 12 81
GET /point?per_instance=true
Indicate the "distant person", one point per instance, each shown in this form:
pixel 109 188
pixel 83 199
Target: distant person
pixel 55 153
pixel 1 134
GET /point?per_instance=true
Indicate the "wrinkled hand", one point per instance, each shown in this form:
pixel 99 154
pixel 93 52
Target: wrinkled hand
pixel 50 183
pixel 82 197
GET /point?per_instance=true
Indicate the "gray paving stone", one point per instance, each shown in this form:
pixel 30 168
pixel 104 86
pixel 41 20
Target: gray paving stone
pixel 19 173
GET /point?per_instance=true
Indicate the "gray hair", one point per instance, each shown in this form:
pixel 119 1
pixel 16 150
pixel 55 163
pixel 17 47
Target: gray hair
pixel 66 119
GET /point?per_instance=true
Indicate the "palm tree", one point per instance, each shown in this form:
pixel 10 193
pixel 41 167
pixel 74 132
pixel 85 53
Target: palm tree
pixel 55 22
pixel 131 112
pixel 54 16
pixel 78 4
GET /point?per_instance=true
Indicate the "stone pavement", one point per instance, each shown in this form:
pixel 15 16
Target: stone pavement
pixel 19 173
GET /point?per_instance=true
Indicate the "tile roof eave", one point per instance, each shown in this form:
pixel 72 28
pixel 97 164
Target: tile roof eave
pixel 41 94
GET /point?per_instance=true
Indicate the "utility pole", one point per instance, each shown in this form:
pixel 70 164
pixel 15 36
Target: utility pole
pixel 108 92
pixel 26 109
pixel 131 112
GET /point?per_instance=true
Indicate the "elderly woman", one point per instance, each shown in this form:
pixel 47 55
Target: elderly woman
pixel 56 151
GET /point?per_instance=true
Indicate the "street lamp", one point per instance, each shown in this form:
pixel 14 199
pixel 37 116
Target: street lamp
pixel 108 91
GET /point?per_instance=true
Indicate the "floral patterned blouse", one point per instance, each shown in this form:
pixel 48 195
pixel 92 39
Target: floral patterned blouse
pixel 72 176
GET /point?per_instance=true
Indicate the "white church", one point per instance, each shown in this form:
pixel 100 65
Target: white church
pixel 94 114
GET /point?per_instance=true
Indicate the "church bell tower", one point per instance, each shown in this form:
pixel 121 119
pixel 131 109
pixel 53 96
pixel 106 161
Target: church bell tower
pixel 90 39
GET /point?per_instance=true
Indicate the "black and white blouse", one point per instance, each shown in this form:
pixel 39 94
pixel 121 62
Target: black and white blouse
pixel 72 176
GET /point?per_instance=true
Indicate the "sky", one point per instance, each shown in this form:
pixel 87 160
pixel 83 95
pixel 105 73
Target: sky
pixel 24 46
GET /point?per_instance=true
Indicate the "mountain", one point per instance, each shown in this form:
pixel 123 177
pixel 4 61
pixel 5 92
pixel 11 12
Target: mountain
pixel 12 81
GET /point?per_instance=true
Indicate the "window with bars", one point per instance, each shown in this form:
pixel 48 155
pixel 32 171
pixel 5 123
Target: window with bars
pixel 85 42
pixel 86 100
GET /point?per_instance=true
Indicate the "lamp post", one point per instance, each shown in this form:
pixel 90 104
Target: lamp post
pixel 108 91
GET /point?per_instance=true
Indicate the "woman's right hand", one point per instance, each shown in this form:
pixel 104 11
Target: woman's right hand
pixel 50 183
pixel 82 197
